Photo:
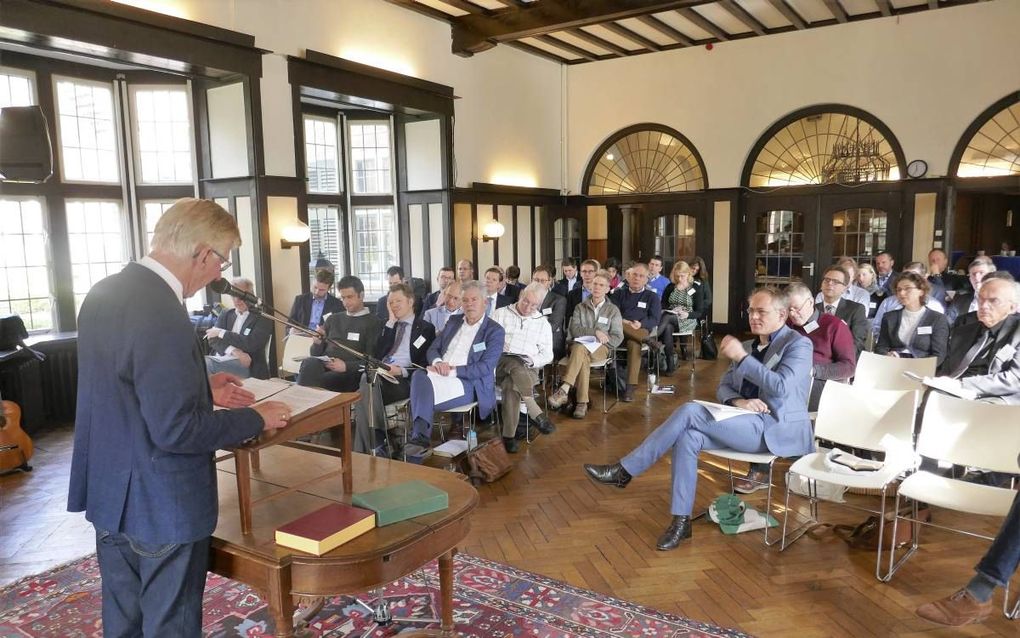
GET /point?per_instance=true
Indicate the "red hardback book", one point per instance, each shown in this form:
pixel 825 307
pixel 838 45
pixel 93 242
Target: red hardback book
pixel 326 528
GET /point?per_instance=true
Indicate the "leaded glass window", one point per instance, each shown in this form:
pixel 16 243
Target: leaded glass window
pixel 647 161
pixel 674 237
pixel 995 148
pixel 566 239
pixel 779 247
pixel 826 148
pixel 859 233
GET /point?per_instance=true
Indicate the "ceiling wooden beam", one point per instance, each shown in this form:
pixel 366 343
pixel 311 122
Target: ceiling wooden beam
pixel 566 46
pixel 423 9
pixel 789 13
pixel 612 47
pixel 884 7
pixel 464 5
pixel 665 29
pixel 704 23
pixel 741 14
pixel 837 10
pixel 475 33
pixel 524 46
pixel 624 32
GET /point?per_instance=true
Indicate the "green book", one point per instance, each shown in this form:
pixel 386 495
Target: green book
pixel 395 503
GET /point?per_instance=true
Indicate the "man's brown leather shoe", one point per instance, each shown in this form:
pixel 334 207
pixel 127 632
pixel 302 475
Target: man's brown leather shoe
pixel 959 609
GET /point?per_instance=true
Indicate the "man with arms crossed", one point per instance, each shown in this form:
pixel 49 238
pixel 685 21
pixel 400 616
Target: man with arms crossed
pixel 142 468
pixel 770 376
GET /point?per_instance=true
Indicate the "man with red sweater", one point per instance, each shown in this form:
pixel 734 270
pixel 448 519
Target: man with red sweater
pixel 834 358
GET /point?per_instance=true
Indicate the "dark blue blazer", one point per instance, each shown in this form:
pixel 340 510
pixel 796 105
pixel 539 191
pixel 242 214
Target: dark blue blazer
pixel 480 371
pixel 254 335
pixel 419 329
pixel 145 429
pixel 301 310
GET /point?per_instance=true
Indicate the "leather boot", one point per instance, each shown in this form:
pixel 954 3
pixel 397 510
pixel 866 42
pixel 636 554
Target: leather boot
pixel 613 474
pixel 545 426
pixel 511 445
pixel 678 530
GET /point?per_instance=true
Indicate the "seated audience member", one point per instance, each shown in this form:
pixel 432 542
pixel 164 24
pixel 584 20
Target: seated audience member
pixel 465 271
pixel 834 281
pixel 569 280
pixel 493 284
pixel 884 271
pixel 405 340
pixel 467 350
pixel 913 330
pixel 356 328
pixel 449 305
pixel 444 278
pixel 851 292
pixel 656 281
pixel 699 272
pixel 554 309
pixel 681 311
pixel 394 275
pixel 309 308
pixel 770 375
pixel 965 303
pixel 938 269
pixel 595 317
pixel 581 292
pixel 511 286
pixel 892 303
pixel 242 334
pixel 866 281
pixel 985 355
pixel 973 603
pixel 641 310
pixel 527 348
pixel 613 268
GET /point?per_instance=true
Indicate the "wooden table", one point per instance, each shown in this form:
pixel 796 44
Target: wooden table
pixel 291 482
pixel 334 412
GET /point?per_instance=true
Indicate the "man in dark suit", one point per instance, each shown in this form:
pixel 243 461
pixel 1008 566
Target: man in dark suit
pixel 554 309
pixel 513 282
pixel 569 280
pixel 641 310
pixel 309 308
pixel 938 269
pixel 239 339
pixel 444 278
pixel 963 307
pixel 395 275
pixel 984 356
pixel 581 292
pixel 770 376
pixel 885 272
pixel 493 283
pixel 405 340
pixel 834 281
pixel 145 433
pixel 467 351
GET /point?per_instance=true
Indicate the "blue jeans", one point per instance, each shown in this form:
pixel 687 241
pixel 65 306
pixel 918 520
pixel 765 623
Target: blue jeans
pixel 151 589
pixel 1003 557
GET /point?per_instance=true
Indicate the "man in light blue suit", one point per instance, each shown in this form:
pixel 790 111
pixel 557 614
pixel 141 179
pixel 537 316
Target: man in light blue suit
pixel 769 376
pixel 468 350
pixel 145 432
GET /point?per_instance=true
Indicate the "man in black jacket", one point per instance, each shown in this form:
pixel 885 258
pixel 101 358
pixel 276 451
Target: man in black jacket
pixel 641 310
pixel 834 281
pixel 309 308
pixel 963 308
pixel 238 342
pixel 554 309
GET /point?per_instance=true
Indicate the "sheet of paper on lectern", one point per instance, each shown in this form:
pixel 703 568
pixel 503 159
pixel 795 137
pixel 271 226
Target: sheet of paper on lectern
pixel 300 398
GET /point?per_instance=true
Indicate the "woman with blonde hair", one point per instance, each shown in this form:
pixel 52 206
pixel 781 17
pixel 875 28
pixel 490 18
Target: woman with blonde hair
pixel 867 280
pixel 682 308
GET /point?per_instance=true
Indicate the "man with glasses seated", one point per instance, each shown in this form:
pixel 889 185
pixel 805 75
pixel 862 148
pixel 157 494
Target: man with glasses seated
pixel 641 310
pixel 448 304
pixel 851 292
pixel 835 281
pixel 238 341
pixel 770 376
pixel 554 309
pixel 963 307
pixel 309 308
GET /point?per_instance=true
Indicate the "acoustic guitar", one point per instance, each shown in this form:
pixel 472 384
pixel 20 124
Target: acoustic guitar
pixel 15 444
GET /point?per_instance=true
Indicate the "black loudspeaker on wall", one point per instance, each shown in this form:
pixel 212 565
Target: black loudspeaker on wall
pixel 25 151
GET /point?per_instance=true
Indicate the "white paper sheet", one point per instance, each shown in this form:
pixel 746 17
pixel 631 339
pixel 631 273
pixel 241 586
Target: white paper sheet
pixel 722 412
pixel 300 398
pixel 263 388
pixel 590 342
pixel 445 388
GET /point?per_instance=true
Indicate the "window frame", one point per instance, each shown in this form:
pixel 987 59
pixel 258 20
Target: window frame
pixel 28 74
pixel 48 243
pixel 338 121
pixel 349 152
pixel 119 147
pixel 136 152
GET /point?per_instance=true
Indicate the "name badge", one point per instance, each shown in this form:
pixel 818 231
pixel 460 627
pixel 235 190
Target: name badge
pixel 603 320
pixel 1005 352
pixel 247 331
pixel 479 347
pixel 690 291
pixel 924 330
pixel 872 305
pixel 419 341
pixel 811 327
pixel 547 311
pixel 642 304
pixel 773 362
pixel 353 336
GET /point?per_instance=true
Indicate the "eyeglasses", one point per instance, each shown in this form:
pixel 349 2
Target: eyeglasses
pixel 224 262
pixel 905 289
pixel 800 307
pixel 760 312
pixel 833 282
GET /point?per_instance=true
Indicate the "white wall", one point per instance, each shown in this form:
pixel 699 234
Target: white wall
pixel 926 75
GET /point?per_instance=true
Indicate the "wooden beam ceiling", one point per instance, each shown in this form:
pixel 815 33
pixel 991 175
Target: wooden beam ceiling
pixel 704 23
pixel 789 13
pixel 837 10
pixel 741 14
pixel 665 29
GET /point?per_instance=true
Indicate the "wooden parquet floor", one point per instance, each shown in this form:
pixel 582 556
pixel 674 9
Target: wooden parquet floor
pixel 546 517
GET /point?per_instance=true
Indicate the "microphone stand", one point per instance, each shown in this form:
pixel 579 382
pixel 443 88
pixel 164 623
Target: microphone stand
pixel 374 368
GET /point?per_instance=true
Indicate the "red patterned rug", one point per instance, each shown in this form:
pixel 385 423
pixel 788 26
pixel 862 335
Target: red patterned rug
pixel 491 600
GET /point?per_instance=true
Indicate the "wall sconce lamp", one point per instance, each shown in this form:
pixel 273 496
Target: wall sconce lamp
pixel 295 234
pixel 492 230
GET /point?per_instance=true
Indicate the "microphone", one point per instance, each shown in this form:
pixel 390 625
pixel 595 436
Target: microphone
pixel 224 287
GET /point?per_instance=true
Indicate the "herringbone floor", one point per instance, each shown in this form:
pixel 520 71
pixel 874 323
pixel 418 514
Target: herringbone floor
pixel 546 517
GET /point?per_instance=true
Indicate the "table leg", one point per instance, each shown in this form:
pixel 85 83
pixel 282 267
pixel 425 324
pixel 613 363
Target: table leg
pixel 281 603
pixel 348 470
pixel 242 465
pixel 446 591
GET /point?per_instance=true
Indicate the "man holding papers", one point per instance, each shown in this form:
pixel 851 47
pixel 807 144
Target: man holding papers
pixel 770 377
pixel 527 348
pixel 463 361
pixel 238 341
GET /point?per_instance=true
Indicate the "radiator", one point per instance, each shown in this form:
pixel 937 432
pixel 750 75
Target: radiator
pixel 59 380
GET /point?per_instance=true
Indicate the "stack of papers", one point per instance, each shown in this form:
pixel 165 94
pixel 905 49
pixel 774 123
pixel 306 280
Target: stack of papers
pixel 301 398
pixel 452 448
pixel 264 388
pixel 722 412
pixel 590 342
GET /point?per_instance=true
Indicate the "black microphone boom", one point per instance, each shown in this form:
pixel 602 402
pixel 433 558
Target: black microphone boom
pixel 224 287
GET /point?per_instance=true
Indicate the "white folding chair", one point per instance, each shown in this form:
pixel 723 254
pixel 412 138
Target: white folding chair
pixel 468 409
pixel 295 348
pixel 865 418
pixel 886 373
pixel 761 458
pixel 688 338
pixel 962 432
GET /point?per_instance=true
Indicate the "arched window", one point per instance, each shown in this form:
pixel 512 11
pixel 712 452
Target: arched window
pixel 827 144
pixel 645 158
pixel 991 145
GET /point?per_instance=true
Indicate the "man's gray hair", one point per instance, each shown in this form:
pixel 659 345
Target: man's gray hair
pixel 799 290
pixel 780 300
pixel 536 289
pixel 243 283
pixel 191 223
pixel 471 284
pixel 982 260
